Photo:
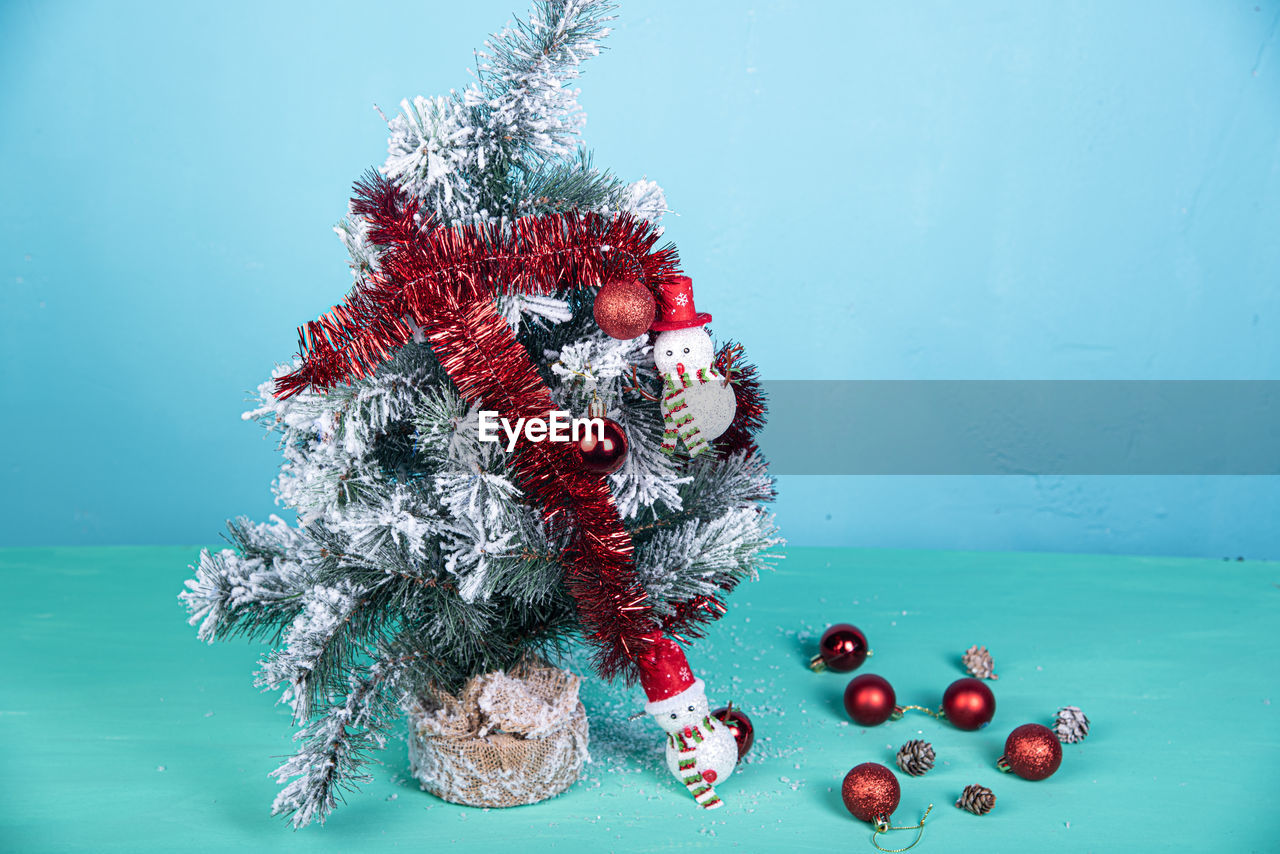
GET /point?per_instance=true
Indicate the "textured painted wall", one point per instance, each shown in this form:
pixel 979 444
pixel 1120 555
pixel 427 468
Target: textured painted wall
pixel 861 191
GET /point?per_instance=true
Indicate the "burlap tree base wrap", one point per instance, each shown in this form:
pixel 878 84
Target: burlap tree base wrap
pixel 509 739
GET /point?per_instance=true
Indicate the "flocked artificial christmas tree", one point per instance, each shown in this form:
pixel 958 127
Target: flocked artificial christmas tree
pixel 489 256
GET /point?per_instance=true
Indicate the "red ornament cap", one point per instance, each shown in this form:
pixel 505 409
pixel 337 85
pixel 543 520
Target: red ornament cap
pixel 665 676
pixel 675 306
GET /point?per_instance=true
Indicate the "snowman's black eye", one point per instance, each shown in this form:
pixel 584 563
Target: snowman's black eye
pixel 686 351
pixel 673 716
pixel 672 353
pixel 691 708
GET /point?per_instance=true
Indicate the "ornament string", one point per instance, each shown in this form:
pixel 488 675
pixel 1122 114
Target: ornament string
pixel 882 826
pixel 898 711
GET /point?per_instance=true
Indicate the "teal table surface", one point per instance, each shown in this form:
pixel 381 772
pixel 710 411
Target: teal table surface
pixel 121 732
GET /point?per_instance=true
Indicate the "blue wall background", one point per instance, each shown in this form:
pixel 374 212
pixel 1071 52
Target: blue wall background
pixel 868 191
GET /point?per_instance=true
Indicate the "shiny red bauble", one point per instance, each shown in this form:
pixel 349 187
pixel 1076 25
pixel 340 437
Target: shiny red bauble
pixel 624 310
pixel 969 704
pixel 871 792
pixel 739 724
pixel 1031 751
pixel 843 648
pixel 603 456
pixel 869 699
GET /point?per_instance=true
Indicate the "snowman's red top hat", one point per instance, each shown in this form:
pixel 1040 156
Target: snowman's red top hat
pixel 675 306
pixel 667 680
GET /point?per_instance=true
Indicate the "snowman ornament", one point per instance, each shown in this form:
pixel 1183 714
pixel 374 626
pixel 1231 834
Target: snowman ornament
pixel 701 751
pixel 698 403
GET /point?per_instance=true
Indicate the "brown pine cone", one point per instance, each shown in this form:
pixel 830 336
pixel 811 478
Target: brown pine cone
pixel 976 799
pixel 978 662
pixel 915 757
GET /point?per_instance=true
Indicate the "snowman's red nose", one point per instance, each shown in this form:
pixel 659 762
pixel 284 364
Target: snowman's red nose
pixel 688 732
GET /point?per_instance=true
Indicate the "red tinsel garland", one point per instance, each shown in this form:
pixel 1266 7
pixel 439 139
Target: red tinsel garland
pixel 424 268
pixel 749 416
pixel 445 279
pixel 687 618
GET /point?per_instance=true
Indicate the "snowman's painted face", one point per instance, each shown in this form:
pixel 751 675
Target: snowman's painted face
pixel 688 714
pixel 689 347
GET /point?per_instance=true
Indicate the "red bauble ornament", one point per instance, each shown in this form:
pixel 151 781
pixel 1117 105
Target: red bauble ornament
pixel 624 309
pixel 603 456
pixel 869 699
pixel 871 793
pixel 843 648
pixel 740 725
pixel 1032 752
pixel 969 704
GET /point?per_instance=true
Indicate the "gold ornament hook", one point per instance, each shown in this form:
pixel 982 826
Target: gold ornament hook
pixel 596 408
pixel 882 826
pixel 898 712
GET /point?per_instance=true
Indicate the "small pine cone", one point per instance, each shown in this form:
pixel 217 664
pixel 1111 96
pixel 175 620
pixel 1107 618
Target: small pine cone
pixel 978 662
pixel 976 799
pixel 1071 725
pixel 915 757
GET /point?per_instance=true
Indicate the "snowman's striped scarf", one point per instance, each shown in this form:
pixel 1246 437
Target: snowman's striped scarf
pixel 677 422
pixel 703 792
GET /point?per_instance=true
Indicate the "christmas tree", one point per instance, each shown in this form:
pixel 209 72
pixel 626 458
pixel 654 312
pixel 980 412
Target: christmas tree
pixel 422 555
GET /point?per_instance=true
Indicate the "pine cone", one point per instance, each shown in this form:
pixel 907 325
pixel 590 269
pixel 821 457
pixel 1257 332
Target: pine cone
pixel 976 799
pixel 978 662
pixel 915 757
pixel 1071 725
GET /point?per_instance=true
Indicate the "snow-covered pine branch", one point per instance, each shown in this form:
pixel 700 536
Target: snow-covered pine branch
pixel 335 747
pixel 254 590
pixel 739 480
pixel 702 557
pixel 464 154
pixel 318 644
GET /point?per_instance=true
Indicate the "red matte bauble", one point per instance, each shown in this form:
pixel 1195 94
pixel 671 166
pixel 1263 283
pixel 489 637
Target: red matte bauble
pixel 869 699
pixel 1032 752
pixel 740 725
pixel 843 648
pixel 969 704
pixel 603 456
pixel 624 310
pixel 871 792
